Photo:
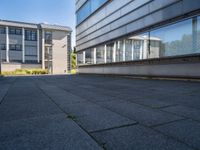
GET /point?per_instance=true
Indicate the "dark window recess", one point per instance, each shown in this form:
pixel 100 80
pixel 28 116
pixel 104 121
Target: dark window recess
pixel 48 37
pixel 2 46
pixel 15 31
pixel 30 35
pixel 2 30
pixel 15 47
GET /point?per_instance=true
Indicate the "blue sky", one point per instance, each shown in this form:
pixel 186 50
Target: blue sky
pixel 38 11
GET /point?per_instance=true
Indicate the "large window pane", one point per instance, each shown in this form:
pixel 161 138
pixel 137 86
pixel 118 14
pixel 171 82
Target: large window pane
pixel 119 51
pixel 95 4
pixel 2 30
pixel 83 12
pixel 198 34
pixel 89 56
pixel 109 52
pixel 80 58
pixel 100 54
pixel 88 8
pixel 140 46
pixel 128 49
pixel 174 39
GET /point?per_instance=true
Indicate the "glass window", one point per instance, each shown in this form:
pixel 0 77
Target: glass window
pixel 100 54
pixel 128 49
pixel 80 58
pixel 48 37
pixel 119 51
pixel 18 32
pixel 95 4
pixel 109 52
pixel 172 40
pixel 2 30
pixel 12 46
pixel 83 12
pixel 30 35
pixel 198 34
pixel 88 8
pixel 18 47
pixel 140 46
pixel 2 46
pixel 89 56
pixel 11 30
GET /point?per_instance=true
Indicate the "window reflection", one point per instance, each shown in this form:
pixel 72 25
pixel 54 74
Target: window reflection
pixel 88 8
pixel 109 52
pixel 119 51
pixel 100 54
pixel 80 58
pixel 176 39
pixel 89 56
pixel 128 49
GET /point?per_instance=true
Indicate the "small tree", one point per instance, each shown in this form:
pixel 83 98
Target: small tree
pixel 73 56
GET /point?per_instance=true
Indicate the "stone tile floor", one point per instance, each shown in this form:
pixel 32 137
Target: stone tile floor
pixel 84 112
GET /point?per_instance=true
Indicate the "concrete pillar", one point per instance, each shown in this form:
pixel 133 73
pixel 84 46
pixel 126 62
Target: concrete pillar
pixel 38 45
pixel 95 55
pixel 43 49
pixel 83 57
pixel 141 49
pixel 7 44
pixel 132 47
pixel 23 46
pixel 145 49
pixel 105 54
pixel 124 50
pixel 114 52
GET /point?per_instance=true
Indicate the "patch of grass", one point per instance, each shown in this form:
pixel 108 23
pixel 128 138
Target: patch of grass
pixel 72 117
pixel 25 72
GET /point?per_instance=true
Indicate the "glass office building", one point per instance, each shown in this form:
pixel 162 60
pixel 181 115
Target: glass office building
pixel 139 37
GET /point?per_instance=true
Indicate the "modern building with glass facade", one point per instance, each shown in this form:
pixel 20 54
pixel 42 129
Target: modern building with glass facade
pixel 33 46
pixel 139 37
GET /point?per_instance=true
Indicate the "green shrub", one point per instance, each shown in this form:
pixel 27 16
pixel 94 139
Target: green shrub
pixel 25 72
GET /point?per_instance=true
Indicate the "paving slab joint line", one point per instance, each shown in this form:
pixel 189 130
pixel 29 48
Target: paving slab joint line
pixel 117 127
pixel 161 124
pixel 172 137
pixel 99 144
pixel 3 99
pixel 181 116
pixel 165 106
pixel 93 102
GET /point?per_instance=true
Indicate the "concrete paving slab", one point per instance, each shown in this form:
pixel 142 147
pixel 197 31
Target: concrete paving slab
pixel 185 111
pixel 92 117
pixel 187 131
pixel 54 132
pixel 144 115
pixel 26 109
pixel 137 137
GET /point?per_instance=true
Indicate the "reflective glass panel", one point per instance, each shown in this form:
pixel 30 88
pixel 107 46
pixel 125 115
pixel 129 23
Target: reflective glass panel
pixel 172 40
pixel 89 56
pixel 128 49
pixel 100 54
pixel 119 51
pixel 109 52
pixel 80 58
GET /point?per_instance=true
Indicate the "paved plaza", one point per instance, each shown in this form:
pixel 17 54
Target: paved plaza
pixel 85 112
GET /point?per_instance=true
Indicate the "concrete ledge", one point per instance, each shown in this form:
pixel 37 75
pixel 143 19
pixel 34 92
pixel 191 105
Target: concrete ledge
pixel 179 67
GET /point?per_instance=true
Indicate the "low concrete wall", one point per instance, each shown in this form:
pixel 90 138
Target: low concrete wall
pixel 14 66
pixel 185 67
